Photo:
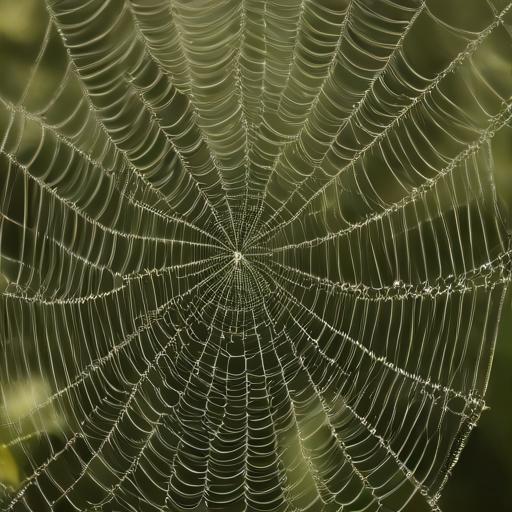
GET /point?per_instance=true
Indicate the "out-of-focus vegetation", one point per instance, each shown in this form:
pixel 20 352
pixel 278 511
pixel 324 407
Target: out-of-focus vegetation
pixel 17 422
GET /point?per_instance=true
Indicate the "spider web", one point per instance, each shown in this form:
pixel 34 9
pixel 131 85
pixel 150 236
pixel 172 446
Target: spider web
pixel 251 252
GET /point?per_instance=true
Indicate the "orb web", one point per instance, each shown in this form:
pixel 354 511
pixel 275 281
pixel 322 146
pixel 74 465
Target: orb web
pixel 252 256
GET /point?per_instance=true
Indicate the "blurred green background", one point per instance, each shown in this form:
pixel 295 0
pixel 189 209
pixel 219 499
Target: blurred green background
pixel 482 479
